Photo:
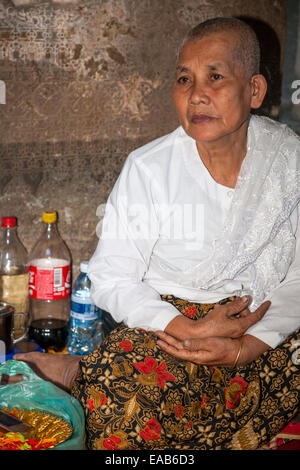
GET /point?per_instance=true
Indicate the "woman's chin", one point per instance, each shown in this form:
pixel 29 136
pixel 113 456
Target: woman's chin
pixel 205 136
pixel 210 134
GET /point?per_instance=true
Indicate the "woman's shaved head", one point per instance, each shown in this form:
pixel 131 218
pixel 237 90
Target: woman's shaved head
pixel 246 51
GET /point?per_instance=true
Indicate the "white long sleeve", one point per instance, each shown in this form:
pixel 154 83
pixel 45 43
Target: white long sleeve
pixel 121 259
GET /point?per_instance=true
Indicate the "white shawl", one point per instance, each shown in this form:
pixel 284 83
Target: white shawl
pixel 257 232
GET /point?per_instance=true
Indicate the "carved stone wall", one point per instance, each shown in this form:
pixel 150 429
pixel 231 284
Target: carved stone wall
pixel 86 83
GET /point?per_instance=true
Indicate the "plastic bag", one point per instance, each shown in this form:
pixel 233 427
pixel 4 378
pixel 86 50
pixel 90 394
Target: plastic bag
pixel 35 393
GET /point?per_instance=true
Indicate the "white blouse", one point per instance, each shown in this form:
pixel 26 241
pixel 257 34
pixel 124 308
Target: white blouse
pixel 166 209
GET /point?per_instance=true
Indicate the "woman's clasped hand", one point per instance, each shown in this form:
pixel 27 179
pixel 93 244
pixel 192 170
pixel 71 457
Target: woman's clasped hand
pixel 215 339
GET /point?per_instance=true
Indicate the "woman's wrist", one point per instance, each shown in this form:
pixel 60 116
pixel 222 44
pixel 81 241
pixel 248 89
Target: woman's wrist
pixel 180 327
pixel 70 371
pixel 252 348
pixel 240 343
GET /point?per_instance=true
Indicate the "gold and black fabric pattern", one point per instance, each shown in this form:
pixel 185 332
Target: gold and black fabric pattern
pixel 135 396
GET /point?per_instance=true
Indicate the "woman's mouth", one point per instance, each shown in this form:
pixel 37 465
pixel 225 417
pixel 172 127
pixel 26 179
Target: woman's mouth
pixel 201 118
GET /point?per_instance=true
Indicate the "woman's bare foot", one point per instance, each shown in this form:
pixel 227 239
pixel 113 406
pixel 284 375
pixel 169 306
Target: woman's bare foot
pixel 59 369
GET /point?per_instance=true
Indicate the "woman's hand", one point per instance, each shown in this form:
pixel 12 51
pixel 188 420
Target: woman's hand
pixel 59 369
pixel 213 351
pixel 205 351
pixel 230 320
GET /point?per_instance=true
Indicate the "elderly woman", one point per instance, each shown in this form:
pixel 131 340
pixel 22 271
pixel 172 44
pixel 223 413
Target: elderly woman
pixel 198 263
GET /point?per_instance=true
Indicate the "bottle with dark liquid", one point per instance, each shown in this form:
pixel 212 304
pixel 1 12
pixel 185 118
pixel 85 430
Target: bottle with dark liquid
pixel 49 287
pixel 13 271
pixel 49 333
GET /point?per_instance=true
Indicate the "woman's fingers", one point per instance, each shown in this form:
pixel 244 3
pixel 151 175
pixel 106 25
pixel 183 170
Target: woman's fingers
pixel 196 344
pixel 234 318
pixel 170 340
pixel 192 344
pixel 199 357
pixel 235 307
pixel 207 351
pixel 253 317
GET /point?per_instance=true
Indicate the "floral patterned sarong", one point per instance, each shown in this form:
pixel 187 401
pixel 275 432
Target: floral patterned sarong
pixel 135 396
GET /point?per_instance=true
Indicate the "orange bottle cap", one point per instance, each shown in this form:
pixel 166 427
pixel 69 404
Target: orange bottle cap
pixel 49 217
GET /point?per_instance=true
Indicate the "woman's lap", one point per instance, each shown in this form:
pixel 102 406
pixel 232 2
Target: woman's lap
pixel 135 396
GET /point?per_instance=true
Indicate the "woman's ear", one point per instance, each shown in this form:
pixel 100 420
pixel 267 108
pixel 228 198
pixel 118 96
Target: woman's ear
pixel 258 90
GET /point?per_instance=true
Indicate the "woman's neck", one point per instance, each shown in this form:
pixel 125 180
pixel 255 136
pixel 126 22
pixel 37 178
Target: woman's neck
pixel 223 158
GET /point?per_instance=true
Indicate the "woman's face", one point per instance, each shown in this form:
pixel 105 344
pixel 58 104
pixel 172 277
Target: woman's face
pixel 212 94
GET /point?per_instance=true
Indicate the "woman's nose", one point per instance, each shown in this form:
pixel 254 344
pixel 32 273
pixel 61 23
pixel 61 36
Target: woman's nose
pixel 199 95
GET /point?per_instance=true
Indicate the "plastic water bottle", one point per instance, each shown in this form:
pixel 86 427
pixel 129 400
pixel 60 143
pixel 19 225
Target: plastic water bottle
pixel 85 332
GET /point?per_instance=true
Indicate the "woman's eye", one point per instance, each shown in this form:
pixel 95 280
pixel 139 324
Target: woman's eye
pixel 183 80
pixel 216 76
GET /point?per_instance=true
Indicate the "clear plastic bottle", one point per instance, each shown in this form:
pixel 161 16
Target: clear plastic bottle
pixel 85 332
pixel 49 287
pixel 13 271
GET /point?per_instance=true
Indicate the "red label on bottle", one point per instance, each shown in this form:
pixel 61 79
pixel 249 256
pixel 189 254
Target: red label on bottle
pixel 49 284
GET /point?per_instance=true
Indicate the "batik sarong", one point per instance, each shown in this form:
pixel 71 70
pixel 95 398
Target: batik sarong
pixel 135 396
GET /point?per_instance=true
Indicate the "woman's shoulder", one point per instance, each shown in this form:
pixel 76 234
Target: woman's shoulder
pixel 160 148
pixel 277 140
pixel 274 128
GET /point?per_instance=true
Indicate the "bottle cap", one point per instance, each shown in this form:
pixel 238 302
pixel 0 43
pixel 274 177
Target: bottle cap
pixel 84 266
pixel 49 217
pixel 8 222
